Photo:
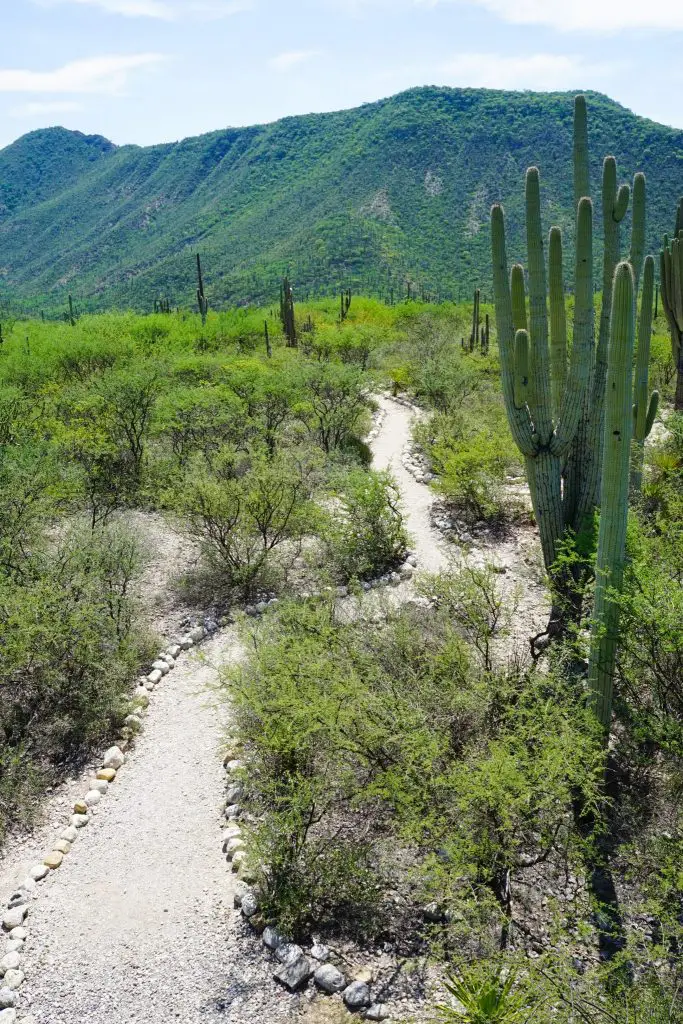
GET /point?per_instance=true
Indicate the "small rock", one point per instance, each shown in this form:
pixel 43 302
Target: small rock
pixel 238 860
pixel 329 979
pixel 62 846
pixel 106 774
pixel 14 918
pixel 159 666
pixel 14 946
pixel 185 643
pixel 364 976
pixel 17 899
pixel 10 962
pixel 356 995
pixel 29 885
pixel 288 952
pixel 101 786
pixel 7 998
pixel 196 634
pixel 113 758
pixel 377 1011
pixel 320 952
pixel 8 1016
pixel 249 904
pixel 155 676
pixel 80 820
pixel 233 811
pixel 412 560
pixel 92 798
pixel 294 975
pixel 19 933
pixel 69 834
pixel 149 686
pixel 231 832
pixel 169 659
pixel 433 913
pixel 14 979
pixel 141 697
pixel 80 807
pixel 406 571
pixel 272 938
pixel 174 650
pixel 38 872
pixel 234 765
pixel 232 846
pixel 54 860
pixel 234 794
pixel 133 722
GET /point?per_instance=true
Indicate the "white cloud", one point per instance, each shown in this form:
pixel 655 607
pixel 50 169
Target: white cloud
pixel 166 10
pixel 289 60
pixel 40 109
pixel 583 15
pixel 108 74
pixel 539 71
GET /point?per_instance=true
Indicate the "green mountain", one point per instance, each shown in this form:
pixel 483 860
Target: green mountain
pixel 391 193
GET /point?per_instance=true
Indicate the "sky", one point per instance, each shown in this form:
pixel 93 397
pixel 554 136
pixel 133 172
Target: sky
pixel 148 71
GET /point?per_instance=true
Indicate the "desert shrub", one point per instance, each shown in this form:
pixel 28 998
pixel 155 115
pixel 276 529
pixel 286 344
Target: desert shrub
pixel 396 736
pixel 363 533
pixel 335 404
pixel 471 452
pixel 72 640
pixel 202 420
pixel 251 517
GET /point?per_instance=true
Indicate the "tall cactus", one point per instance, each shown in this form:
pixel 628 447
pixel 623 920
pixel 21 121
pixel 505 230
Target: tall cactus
pixel 645 405
pixel 671 286
pixel 526 364
pixel 287 312
pixel 202 301
pixel 618 427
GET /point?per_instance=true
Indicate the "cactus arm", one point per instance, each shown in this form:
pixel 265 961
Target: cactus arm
pixel 581 165
pixel 638 229
pixel 677 280
pixel 583 346
pixel 614 491
pixel 621 204
pixel 518 296
pixel 541 412
pixel 679 218
pixel 518 418
pixel 521 369
pixel 641 397
pixel 558 322
pixel 652 411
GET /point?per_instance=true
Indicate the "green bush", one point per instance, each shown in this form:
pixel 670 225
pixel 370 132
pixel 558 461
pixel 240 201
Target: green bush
pixel 364 534
pixel 251 517
pixel 72 641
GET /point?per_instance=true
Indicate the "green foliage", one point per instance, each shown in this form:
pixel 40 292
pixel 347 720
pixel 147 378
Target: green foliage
pixel 251 518
pixel 400 733
pixel 485 998
pixel 309 196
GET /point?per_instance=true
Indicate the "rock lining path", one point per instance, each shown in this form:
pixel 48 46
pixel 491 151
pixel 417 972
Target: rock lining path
pixel 138 926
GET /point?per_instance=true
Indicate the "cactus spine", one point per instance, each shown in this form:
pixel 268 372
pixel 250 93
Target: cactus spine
pixel 671 287
pixel 645 405
pixel 202 301
pixel 618 426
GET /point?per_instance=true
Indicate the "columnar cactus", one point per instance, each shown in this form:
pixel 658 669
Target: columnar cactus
pixel 287 312
pixel 671 286
pixel 645 405
pixel 474 334
pixel 618 428
pixel 202 301
pixel 543 435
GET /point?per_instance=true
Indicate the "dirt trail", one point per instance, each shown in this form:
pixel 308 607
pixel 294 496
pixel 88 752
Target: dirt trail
pixel 137 926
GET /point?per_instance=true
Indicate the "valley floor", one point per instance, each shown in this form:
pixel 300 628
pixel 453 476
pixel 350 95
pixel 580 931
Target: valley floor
pixel 138 925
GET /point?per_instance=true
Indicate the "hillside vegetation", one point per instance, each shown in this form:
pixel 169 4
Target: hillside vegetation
pixel 391 194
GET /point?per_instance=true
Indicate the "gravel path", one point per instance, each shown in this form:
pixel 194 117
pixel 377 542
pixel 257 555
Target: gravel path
pixel 138 925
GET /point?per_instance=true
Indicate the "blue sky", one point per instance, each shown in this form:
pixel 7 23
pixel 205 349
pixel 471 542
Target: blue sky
pixel 147 71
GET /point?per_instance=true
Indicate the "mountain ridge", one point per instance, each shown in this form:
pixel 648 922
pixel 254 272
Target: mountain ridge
pixel 373 197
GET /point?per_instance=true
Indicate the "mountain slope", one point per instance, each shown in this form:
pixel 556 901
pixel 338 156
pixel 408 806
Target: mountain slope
pixel 391 192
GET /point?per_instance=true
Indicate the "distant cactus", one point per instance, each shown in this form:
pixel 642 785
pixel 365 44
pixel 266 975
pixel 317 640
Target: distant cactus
pixel 287 313
pixel 71 317
pixel 269 349
pixel 202 301
pixel 345 305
